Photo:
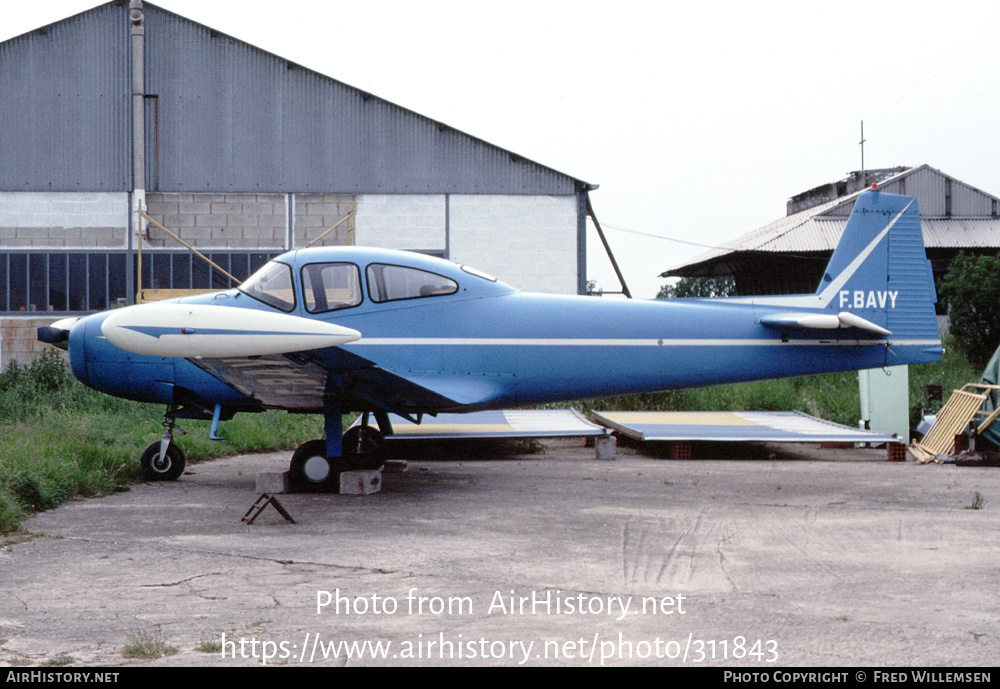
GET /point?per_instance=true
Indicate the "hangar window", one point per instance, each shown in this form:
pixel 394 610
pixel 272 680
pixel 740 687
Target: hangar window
pixel 62 281
pixel 184 270
pixel 331 286
pixel 82 282
pixel 393 283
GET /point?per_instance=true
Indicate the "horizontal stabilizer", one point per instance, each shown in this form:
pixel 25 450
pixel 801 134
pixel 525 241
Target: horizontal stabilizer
pixel 821 321
pixel 196 330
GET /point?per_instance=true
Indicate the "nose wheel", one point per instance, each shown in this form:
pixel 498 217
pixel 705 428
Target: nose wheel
pixel 163 460
pixel 160 465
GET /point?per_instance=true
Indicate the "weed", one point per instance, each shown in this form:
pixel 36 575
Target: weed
pixel 528 446
pixel 146 645
pixel 977 501
pixel 61 660
pixel 210 647
pixel 15 537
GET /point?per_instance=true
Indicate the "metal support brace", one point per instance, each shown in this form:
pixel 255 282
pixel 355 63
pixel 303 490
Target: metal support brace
pixel 384 423
pixel 333 430
pixel 213 434
pixel 607 248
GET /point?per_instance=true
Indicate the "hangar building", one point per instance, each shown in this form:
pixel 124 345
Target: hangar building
pixel 241 155
pixel 789 255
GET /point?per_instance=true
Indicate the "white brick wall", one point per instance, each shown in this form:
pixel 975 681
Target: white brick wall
pixel 63 219
pixel 317 213
pixel 19 340
pixel 529 242
pixel 402 221
pixel 231 221
pixel 63 209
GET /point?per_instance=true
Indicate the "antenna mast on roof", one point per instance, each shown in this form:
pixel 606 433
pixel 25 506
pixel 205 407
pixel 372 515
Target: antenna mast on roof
pixel 862 144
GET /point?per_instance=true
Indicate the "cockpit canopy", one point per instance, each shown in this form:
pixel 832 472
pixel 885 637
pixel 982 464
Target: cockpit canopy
pixel 334 285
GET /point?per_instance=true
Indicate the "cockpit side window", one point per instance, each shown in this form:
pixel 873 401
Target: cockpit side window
pixel 331 286
pixel 393 283
pixel 272 285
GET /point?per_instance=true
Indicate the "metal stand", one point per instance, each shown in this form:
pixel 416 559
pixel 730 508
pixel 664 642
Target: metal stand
pixel 263 501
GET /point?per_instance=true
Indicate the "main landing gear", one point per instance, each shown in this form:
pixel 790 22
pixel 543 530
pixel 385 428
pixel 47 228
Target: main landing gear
pixel 316 465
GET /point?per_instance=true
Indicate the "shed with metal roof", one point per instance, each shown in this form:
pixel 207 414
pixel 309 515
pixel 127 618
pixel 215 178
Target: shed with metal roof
pixel 788 256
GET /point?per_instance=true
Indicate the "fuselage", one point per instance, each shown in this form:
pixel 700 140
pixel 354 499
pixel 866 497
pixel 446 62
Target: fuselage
pixel 481 343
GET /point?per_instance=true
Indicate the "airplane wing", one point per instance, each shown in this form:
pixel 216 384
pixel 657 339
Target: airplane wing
pixel 821 321
pixel 300 382
pixel 284 361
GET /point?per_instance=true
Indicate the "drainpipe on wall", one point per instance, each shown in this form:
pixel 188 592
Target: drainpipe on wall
pixel 136 223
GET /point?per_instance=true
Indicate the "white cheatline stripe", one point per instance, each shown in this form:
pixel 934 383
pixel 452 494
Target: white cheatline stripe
pixel 544 342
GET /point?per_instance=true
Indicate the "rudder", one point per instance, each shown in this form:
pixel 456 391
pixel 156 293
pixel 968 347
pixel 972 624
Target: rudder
pixel 880 272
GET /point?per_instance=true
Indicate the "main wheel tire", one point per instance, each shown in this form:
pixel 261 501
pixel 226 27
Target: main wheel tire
pixel 364 448
pixel 157 468
pixel 311 471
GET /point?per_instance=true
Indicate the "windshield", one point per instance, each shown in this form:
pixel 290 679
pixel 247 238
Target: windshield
pixel 272 285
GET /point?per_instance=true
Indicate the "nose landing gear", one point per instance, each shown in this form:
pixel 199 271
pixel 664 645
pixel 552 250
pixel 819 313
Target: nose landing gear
pixel 163 460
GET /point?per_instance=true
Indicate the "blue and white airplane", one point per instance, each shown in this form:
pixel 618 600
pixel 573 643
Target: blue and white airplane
pixel 345 329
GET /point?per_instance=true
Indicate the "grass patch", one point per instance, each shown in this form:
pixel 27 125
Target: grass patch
pixel 146 645
pixel 210 646
pixel 833 396
pixel 61 440
pixel 61 660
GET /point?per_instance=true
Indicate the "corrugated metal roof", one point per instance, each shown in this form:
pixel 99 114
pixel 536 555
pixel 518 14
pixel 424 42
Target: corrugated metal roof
pixel 222 115
pixel 64 105
pixel 801 232
pixel 972 225
pixel 961 233
pixel 233 117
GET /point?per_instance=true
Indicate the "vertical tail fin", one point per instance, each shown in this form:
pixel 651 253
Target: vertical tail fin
pixel 879 271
